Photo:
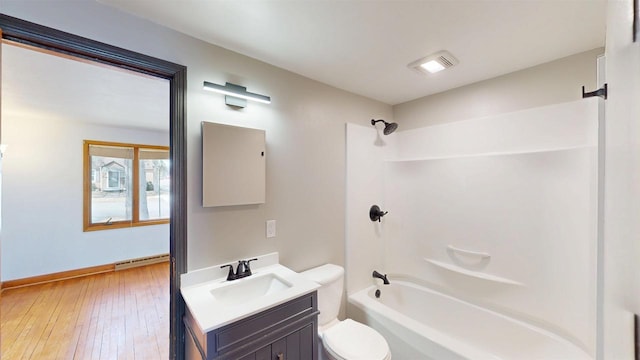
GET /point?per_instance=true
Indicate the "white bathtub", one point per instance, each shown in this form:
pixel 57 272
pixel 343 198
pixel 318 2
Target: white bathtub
pixel 420 323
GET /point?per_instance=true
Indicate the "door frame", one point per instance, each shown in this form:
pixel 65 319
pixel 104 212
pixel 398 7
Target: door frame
pixel 28 33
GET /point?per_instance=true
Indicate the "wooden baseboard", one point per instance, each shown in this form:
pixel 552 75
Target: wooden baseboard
pixel 93 270
pixel 63 275
pixel 70 274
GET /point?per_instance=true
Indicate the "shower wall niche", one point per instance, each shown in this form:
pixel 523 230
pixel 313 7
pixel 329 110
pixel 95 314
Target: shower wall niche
pixel 499 211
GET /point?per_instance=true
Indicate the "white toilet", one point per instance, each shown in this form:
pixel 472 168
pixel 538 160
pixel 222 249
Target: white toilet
pixel 348 339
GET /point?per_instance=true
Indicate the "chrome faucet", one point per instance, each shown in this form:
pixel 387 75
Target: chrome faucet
pixel 243 269
pixel 382 277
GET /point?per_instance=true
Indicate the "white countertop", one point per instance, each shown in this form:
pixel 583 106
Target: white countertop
pixel 212 313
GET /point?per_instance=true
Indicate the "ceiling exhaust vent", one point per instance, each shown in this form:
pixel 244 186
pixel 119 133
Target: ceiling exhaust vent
pixel 444 61
pixel 434 63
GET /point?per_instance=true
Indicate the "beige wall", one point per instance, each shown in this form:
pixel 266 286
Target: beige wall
pixel 550 83
pixel 305 126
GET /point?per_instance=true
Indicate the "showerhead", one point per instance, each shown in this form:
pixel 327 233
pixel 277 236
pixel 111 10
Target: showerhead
pixel 388 127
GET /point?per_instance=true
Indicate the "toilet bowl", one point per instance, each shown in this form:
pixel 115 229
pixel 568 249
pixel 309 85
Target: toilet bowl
pixel 347 339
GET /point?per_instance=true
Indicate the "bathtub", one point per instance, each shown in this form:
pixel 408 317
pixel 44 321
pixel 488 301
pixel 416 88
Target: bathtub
pixel 420 323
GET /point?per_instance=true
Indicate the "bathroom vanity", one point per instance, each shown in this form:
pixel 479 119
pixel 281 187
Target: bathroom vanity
pixel 287 331
pixel 270 315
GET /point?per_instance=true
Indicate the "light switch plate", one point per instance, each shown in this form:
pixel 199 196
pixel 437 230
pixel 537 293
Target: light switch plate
pixel 271 228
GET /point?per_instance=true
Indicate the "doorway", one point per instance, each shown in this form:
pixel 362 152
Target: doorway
pixel 25 33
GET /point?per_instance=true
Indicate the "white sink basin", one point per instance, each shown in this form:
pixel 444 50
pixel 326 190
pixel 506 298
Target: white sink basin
pixel 249 288
pixel 218 302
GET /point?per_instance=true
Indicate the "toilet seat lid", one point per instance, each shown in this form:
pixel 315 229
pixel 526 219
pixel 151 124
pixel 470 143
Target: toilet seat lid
pixel 354 341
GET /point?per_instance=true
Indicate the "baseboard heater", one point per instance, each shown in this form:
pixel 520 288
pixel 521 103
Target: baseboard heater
pixel 128 264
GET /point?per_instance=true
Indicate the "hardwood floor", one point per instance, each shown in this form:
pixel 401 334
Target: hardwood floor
pixel 117 315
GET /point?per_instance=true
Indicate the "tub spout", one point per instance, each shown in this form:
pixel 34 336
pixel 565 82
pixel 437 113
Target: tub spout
pixel 380 276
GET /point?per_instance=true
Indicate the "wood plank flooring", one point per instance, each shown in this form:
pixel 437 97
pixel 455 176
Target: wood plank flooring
pixel 117 315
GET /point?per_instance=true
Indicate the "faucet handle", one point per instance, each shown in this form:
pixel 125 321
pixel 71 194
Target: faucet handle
pixel 243 269
pixel 247 267
pixel 231 275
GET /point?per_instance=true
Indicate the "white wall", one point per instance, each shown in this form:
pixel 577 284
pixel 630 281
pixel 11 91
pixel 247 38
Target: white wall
pixel 367 148
pixel 520 187
pixel 305 138
pixel 42 200
pixel 622 190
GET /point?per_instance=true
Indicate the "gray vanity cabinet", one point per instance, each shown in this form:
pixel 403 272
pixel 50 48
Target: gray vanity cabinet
pixel 285 332
pixel 298 345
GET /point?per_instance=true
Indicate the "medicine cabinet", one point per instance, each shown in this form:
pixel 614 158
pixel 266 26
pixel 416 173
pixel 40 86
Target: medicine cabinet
pixel 233 165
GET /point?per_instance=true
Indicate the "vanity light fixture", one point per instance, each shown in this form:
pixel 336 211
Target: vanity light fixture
pixel 434 63
pixel 236 95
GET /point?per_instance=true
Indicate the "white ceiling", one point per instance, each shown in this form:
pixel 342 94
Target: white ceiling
pixel 364 46
pixel 40 85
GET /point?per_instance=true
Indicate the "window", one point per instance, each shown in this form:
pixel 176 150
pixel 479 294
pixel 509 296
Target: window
pixel 125 185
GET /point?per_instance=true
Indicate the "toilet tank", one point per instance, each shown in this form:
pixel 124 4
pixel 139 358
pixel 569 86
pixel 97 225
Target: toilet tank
pixel 331 279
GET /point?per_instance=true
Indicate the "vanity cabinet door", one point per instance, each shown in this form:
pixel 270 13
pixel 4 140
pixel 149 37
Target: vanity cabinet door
pixel 307 342
pixel 264 353
pixel 295 346
pixel 300 344
pixel 279 350
pixel 249 357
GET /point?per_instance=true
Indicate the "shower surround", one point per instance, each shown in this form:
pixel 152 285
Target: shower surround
pixel 499 212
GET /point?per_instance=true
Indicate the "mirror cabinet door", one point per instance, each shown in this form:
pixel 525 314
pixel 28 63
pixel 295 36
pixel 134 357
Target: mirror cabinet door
pixel 233 165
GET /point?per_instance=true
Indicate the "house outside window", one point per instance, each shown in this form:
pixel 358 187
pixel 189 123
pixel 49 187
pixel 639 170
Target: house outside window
pixel 125 185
